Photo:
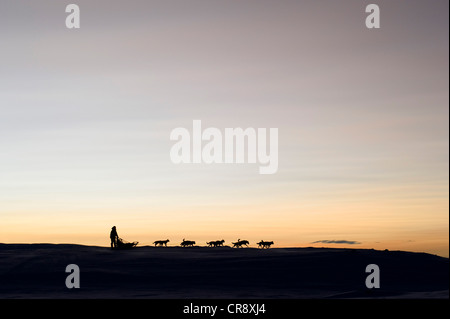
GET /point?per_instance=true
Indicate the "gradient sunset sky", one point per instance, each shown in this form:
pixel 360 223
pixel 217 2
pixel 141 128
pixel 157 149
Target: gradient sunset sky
pixel 362 116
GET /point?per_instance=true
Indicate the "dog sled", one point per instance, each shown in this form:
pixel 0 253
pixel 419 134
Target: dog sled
pixel 123 244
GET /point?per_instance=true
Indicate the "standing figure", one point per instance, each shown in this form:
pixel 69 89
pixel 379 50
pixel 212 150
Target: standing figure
pixel 113 235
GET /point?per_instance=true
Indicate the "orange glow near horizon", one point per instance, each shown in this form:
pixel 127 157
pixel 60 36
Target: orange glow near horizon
pixel 404 228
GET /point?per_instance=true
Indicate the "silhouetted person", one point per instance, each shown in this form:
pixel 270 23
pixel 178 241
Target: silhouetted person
pixel 113 235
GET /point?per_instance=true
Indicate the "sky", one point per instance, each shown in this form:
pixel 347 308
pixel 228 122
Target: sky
pixel 362 118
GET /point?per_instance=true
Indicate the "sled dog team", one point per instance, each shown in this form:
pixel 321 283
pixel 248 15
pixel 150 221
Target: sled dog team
pixel 216 243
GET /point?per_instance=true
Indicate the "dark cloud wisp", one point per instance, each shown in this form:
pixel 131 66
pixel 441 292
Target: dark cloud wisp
pixel 325 241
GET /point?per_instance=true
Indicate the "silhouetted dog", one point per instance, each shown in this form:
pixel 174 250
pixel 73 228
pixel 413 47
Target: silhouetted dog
pixel 240 243
pixel 265 244
pixel 161 242
pixel 216 243
pixel 187 243
pixel 220 242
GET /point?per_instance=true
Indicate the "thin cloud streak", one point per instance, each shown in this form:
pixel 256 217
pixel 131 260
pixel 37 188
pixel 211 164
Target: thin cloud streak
pixel 325 241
